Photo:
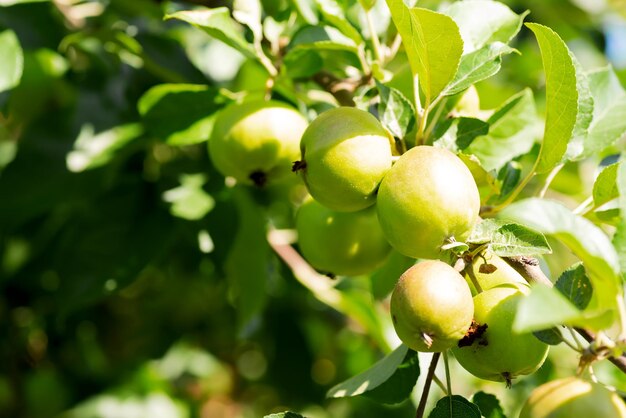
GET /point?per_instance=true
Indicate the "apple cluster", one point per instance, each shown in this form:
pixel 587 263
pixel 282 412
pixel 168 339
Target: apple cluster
pixel 365 201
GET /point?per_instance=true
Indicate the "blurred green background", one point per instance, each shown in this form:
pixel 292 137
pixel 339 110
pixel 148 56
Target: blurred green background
pixel 134 281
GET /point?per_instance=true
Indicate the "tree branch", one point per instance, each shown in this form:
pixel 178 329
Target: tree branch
pixel 528 268
pixel 429 378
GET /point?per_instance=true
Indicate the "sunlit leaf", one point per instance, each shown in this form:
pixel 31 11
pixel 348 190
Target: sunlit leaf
pixel 92 150
pixel 561 96
pixel 12 60
pixel 605 187
pixel 608 123
pixel 390 380
pixel 477 66
pixel 482 22
pixel 433 45
pixel 513 129
pixel 180 114
pixel 189 201
pixel 219 24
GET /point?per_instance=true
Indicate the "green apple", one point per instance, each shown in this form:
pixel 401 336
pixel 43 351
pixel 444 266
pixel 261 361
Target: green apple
pixel 431 307
pixel 345 154
pixel 573 397
pixel 428 198
pixel 497 353
pixel 256 142
pixel 490 271
pixel 341 243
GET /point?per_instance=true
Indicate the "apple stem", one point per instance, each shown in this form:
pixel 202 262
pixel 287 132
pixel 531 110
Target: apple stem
pixel 429 379
pixel 448 380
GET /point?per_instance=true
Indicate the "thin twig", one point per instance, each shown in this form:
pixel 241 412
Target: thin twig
pixel 421 408
pixel 548 181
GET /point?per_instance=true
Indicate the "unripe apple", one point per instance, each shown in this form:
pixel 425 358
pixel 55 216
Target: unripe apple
pixel 496 352
pixel 573 397
pixel 427 198
pixel 256 142
pixel 341 243
pixel 490 271
pixel 345 154
pixel 431 307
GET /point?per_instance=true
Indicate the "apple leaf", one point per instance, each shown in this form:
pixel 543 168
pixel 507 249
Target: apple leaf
pixel 477 66
pixel 189 200
pixel 483 22
pixel 390 380
pixel 574 284
pixel 455 406
pixel 575 147
pixel 605 187
pixel 608 123
pixel 433 45
pixel 12 60
pixel 92 150
pixel 513 129
pixel 561 96
pixel 488 404
pixel 550 336
pixel 583 238
pixel 286 414
pixel 395 111
pixel 545 307
pixel 508 239
pixel 180 114
pixel 248 271
pixel 333 14
pixel 619 239
pixel 384 279
pixel 459 133
pixel 219 24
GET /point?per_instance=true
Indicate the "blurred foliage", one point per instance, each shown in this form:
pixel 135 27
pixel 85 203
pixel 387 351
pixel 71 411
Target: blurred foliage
pixel 121 255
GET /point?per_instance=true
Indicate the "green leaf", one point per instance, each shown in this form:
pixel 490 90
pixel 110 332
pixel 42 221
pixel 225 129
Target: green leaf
pixel 574 284
pixel 390 380
pixel 287 414
pixel 248 271
pixel 619 239
pixel 488 404
pixel 460 133
pixel 608 123
pixel 334 14
pixel 12 60
pixel 550 336
pixel 321 38
pixel 219 24
pixel 454 406
pixel 575 147
pixel 180 114
pixel 433 45
pixel 545 307
pixel 308 11
pixel 482 22
pixel 13 2
pixel 514 239
pixel 513 129
pixel 508 239
pixel 93 150
pixel 587 242
pixel 605 187
pixel 248 12
pixel 477 66
pixel 395 111
pixel 189 200
pixel 561 96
